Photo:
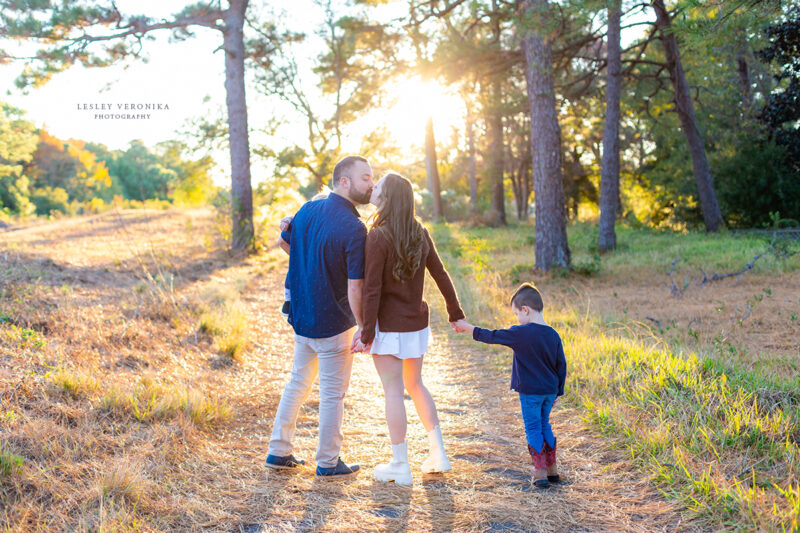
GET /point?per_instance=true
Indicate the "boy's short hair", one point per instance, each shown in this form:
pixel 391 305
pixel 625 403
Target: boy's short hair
pixel 527 294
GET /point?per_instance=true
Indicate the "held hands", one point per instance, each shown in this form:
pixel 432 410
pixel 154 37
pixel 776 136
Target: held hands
pixel 462 326
pixel 357 345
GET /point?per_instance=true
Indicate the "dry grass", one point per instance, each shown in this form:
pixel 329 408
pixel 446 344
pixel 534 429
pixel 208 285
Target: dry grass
pixel 172 440
pixel 124 480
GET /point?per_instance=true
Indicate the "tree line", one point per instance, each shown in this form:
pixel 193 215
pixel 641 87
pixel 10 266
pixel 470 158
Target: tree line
pixel 693 121
pixel 41 174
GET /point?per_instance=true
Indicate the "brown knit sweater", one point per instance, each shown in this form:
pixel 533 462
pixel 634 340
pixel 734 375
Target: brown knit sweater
pixel 398 305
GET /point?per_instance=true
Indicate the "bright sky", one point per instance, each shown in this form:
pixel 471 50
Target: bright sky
pixel 188 77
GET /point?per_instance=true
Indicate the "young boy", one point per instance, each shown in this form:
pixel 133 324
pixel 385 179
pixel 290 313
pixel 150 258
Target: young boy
pixel 537 374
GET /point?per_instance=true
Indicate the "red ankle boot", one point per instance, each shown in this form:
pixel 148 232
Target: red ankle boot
pixel 550 462
pixel 539 470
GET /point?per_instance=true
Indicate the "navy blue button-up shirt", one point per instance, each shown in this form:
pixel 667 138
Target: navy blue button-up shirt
pixel 539 365
pixel 326 249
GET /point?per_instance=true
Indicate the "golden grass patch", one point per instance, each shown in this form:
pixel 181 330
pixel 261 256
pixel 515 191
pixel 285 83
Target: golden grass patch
pixel 124 479
pixel 74 383
pixel 224 317
pixel 150 401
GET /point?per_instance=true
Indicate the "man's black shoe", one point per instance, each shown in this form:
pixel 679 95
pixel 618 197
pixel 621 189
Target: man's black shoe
pixel 338 471
pixel 283 463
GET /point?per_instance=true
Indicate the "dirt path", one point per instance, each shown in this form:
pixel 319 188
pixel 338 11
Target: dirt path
pixel 488 489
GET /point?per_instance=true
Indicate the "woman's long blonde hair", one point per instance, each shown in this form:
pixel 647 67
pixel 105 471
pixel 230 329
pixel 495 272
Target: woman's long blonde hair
pixel 396 221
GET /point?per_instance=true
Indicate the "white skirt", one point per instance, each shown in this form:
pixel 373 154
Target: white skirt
pixel 402 344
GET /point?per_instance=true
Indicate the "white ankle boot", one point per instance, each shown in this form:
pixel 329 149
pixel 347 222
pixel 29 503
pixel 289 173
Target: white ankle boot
pixel 398 470
pixel 437 461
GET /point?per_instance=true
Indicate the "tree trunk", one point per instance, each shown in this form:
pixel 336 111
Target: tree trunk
pixel 495 163
pixel 241 192
pixel 609 174
pixel 520 181
pixel 551 225
pixel 521 186
pixel 743 69
pixel 432 170
pixel 471 166
pixel 685 108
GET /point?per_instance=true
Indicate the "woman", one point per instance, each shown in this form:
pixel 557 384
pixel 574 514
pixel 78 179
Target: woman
pixel 395 331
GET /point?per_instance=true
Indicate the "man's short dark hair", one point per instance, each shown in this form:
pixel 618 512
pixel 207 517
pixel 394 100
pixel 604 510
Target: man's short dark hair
pixel 344 166
pixel 527 294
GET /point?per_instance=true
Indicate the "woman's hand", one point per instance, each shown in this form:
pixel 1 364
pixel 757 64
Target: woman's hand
pixel 357 345
pixel 284 223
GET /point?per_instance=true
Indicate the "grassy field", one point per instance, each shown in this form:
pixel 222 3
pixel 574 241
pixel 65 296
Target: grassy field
pixel 141 364
pixel 697 380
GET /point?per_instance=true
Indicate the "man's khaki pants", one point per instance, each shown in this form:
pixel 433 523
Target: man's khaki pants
pixel 331 358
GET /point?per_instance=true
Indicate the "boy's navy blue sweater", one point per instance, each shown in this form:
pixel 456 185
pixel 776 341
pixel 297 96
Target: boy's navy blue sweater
pixel 539 365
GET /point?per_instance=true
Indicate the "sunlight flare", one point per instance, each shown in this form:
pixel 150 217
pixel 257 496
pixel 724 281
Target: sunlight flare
pixel 409 103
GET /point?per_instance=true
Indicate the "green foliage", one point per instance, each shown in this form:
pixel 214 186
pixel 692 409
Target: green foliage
pixel 589 267
pixel 167 174
pixel 756 182
pixel 782 108
pixel 193 185
pixel 10 464
pixel 520 273
pixel 64 30
pixel 22 338
pixel 141 174
pixel 718 50
pixel 49 199
pixel 17 145
pixel 41 173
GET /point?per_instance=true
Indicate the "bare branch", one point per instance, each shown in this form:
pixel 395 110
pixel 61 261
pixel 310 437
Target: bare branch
pixel 137 27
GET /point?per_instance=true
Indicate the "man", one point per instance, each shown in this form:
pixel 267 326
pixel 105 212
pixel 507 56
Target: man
pixel 326 276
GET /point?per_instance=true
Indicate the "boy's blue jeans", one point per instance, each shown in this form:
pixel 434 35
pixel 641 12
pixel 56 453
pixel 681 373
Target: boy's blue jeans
pixel 536 416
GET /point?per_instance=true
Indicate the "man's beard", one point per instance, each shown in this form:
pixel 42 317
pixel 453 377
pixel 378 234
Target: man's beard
pixel 359 197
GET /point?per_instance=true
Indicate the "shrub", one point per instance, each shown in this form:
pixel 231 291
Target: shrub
pixel 95 205
pixel 755 182
pixel 49 199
